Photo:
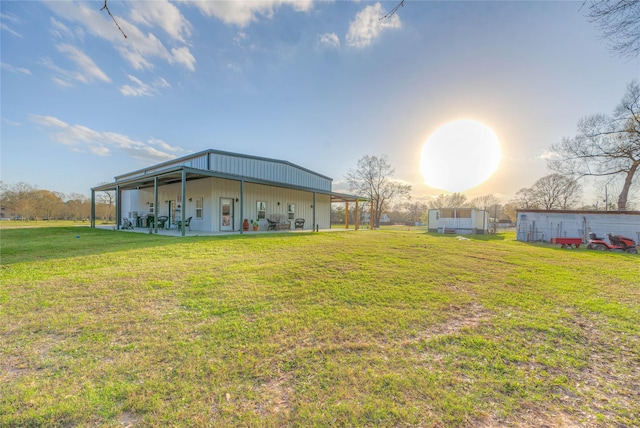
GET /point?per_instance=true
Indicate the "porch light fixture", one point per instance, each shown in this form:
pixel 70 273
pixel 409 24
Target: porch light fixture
pixel 190 199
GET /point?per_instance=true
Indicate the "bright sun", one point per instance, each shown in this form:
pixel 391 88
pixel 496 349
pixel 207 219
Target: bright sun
pixel 460 155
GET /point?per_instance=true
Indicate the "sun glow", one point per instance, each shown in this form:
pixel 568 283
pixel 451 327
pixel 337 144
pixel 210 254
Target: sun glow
pixel 460 155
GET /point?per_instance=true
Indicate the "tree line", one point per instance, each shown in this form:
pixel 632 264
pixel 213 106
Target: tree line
pixel 22 201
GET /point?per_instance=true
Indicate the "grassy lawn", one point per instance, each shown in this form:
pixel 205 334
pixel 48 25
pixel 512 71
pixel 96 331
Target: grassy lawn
pixel 369 328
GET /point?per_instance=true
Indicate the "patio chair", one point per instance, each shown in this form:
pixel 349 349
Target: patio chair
pixel 162 221
pixel 187 224
pixel 272 225
pixel 126 224
pixel 299 223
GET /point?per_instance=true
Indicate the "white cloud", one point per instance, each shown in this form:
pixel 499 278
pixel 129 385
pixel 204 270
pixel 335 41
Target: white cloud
pixel 330 40
pixel 5 20
pixel 13 69
pixel 243 13
pixel 368 25
pixel 141 89
pixel 81 139
pixel 549 155
pixel 139 48
pixel 59 30
pixel 88 70
pixel 164 14
pixel 183 56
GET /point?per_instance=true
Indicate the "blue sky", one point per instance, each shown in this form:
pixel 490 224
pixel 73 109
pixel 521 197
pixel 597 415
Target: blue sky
pixel 319 84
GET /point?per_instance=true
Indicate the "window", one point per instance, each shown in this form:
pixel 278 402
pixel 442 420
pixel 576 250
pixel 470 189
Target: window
pixel 292 211
pixel 151 207
pixel 199 208
pixel 262 210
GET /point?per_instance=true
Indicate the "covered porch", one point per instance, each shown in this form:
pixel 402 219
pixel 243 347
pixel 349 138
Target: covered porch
pixel 163 198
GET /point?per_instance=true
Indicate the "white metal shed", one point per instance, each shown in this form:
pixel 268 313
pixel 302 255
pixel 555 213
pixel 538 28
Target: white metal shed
pixel 543 225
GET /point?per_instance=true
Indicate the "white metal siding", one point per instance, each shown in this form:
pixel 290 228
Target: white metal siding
pixel 536 226
pixel 212 189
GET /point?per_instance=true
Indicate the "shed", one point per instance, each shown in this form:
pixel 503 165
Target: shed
pixel 459 221
pixel 215 191
pixel 543 225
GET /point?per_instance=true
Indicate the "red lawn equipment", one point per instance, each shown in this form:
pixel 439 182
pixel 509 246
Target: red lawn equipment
pixel 616 243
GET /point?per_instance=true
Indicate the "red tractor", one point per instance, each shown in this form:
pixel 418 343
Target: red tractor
pixel 616 243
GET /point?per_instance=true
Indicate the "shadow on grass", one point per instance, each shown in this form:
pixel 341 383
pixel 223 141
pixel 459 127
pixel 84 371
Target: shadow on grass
pixel 48 243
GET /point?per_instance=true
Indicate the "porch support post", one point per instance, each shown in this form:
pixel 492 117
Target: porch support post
pixel 346 214
pixel 371 216
pixel 183 208
pixel 93 209
pixel 118 214
pixel 357 221
pixel 241 207
pixel 315 226
pixel 155 204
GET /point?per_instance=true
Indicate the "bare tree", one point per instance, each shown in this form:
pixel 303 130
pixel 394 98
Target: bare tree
pixel 485 202
pixel 453 200
pixel 605 146
pixel 556 191
pixel 105 200
pixel 415 210
pixel 551 192
pixel 510 211
pixel 619 21
pixel 524 198
pixel 373 179
pixel 78 206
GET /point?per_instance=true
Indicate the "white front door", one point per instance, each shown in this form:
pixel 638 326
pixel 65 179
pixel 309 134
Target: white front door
pixel 226 214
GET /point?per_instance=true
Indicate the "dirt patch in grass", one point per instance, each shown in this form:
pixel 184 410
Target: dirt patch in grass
pixel 275 396
pixel 128 419
pixel 460 317
pixel 531 418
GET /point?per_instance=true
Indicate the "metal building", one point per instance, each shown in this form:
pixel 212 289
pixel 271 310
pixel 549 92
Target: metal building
pixel 543 225
pixel 459 221
pixel 216 191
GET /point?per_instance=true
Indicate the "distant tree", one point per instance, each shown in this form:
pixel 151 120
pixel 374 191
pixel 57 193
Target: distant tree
pixel 551 192
pixel 619 21
pixel 510 211
pixel 415 210
pixel 525 198
pixel 556 191
pixel 453 200
pixel 605 146
pixel 105 201
pixel 20 199
pixel 373 178
pixel 485 202
pixel 78 206
pixel 337 214
pixel 48 204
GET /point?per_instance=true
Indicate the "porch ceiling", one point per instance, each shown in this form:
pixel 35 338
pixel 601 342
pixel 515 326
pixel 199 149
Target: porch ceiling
pixel 146 181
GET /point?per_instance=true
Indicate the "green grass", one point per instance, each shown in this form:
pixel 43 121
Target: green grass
pixel 369 328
